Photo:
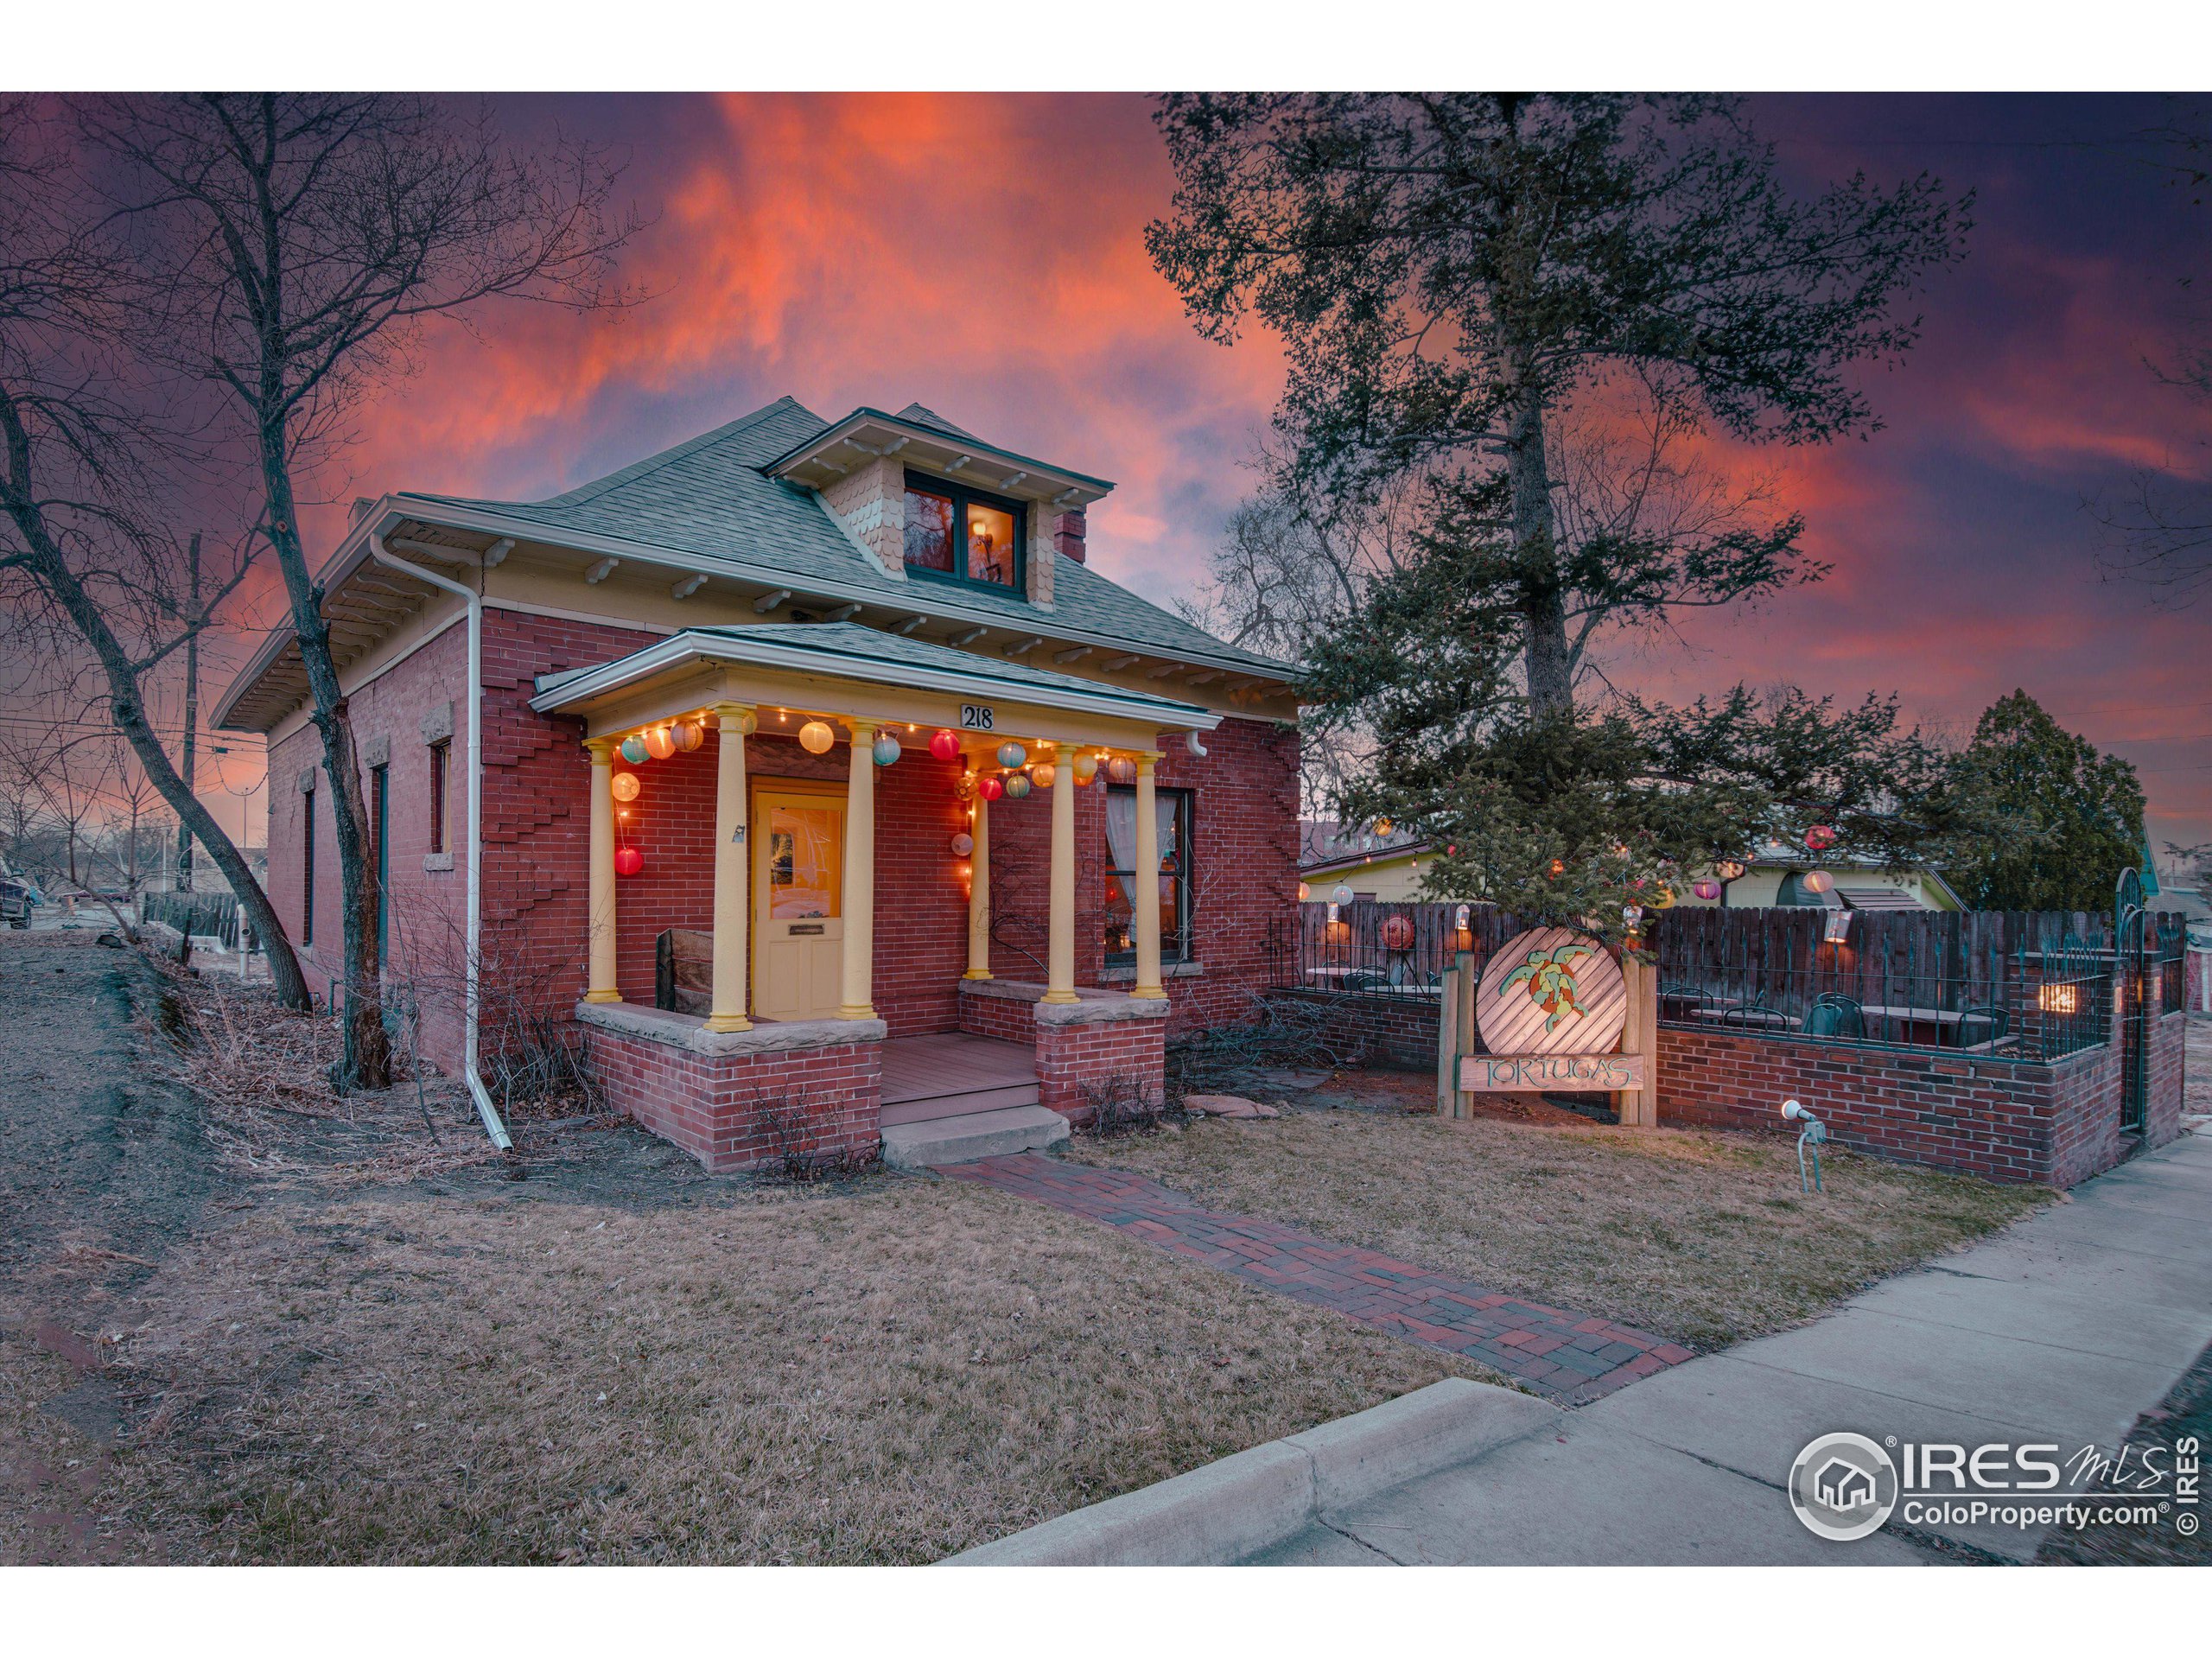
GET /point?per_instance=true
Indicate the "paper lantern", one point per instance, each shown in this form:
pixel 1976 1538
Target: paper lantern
pixel 1819 881
pixel 633 751
pixel 1384 826
pixel 688 734
pixel 1011 754
pixel 1341 895
pixel 962 844
pixel 1017 784
pixel 628 860
pixel 627 787
pixel 963 787
pixel 1086 767
pixel 945 745
pixel 1663 899
pixel 990 789
pixel 1043 774
pixel 1819 837
pixel 1303 893
pixel 885 749
pixel 660 743
pixel 815 737
pixel 1398 933
pixel 1122 770
pixel 1559 867
pixel 1728 869
pixel 1708 889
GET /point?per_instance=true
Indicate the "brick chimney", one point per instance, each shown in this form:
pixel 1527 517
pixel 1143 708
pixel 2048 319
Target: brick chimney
pixel 1068 534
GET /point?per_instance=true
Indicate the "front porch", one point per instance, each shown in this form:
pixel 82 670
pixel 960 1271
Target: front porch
pixel 771 1042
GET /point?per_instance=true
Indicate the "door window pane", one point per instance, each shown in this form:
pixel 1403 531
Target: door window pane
pixel 804 854
pixel 990 545
pixel 929 531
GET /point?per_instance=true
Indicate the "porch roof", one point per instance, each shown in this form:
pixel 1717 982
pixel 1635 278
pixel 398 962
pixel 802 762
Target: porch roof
pixel 846 650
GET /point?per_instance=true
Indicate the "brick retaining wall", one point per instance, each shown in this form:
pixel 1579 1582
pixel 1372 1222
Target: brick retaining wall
pixel 724 1109
pixel 2056 1123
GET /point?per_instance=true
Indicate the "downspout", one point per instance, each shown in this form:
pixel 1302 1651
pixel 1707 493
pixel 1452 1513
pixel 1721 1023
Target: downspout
pixel 474 603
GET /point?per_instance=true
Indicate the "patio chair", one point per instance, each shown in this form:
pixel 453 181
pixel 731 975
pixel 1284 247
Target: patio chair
pixel 1833 1014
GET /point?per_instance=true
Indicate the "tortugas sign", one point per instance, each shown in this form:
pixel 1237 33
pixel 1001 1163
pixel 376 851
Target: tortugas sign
pixel 1505 1074
pixel 1550 1008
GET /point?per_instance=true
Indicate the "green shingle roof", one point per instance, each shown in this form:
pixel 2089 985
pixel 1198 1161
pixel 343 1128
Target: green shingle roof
pixel 708 499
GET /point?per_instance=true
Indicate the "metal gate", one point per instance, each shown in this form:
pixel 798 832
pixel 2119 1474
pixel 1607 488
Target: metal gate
pixel 2131 978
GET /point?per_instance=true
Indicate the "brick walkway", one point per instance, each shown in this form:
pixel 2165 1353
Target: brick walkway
pixel 1558 1354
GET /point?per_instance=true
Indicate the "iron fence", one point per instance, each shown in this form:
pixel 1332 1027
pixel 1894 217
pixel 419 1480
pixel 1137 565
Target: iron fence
pixel 2015 984
pixel 1369 948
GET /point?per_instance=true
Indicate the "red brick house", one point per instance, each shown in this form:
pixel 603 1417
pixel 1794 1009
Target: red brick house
pixel 808 767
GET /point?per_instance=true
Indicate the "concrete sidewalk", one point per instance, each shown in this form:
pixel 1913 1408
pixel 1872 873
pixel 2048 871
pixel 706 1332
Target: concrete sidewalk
pixel 2065 1328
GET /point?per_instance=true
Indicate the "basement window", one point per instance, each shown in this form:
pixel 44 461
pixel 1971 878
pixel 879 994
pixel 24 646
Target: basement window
pixel 963 535
pixel 441 766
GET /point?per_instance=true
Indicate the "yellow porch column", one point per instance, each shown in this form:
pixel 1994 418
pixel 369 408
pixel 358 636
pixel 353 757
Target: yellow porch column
pixel 1145 896
pixel 1059 950
pixel 600 913
pixel 979 894
pixel 860 876
pixel 731 867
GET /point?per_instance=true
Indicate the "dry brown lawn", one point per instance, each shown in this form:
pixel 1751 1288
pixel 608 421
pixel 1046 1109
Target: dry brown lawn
pixel 888 1373
pixel 1703 1237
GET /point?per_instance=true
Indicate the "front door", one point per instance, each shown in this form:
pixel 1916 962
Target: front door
pixel 798 927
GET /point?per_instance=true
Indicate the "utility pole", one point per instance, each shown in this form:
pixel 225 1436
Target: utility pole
pixel 191 722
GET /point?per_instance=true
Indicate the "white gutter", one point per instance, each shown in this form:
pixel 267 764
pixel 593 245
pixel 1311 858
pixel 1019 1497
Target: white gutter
pixel 474 602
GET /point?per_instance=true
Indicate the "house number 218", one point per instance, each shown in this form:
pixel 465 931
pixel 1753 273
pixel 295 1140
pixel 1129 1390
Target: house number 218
pixel 975 717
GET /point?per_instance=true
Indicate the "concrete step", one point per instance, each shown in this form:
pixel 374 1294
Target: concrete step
pixel 972 1136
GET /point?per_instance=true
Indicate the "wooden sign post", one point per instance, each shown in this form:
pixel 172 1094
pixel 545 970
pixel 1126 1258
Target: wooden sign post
pixel 1555 1014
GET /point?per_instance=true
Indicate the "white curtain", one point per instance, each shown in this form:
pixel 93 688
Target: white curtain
pixel 1122 841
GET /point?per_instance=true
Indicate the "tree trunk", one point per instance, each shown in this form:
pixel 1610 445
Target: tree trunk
pixel 1549 659
pixel 367 1062
pixel 191 723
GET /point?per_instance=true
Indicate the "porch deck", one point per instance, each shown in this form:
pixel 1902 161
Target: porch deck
pixel 950 1074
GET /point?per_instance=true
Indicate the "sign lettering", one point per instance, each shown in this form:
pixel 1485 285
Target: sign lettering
pixel 977 717
pixel 1507 1074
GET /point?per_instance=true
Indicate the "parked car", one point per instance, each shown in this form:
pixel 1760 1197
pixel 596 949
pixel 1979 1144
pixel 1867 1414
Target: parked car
pixel 16 899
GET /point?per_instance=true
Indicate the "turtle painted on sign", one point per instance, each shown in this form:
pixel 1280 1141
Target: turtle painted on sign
pixel 1549 975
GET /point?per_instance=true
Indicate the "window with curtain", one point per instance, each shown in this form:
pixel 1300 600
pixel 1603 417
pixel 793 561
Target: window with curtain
pixel 1171 882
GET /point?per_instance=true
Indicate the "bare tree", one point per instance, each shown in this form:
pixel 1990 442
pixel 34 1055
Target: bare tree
pixel 2158 528
pixel 299 242
pixel 81 554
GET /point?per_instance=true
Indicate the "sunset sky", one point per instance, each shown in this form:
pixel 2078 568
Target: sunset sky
pixel 983 254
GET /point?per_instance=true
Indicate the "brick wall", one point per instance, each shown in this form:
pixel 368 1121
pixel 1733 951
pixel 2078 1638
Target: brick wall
pixel 1390 1030
pixel 740 1110
pixel 1011 1019
pixel 2005 1120
pixel 427 908
pixel 1074 1059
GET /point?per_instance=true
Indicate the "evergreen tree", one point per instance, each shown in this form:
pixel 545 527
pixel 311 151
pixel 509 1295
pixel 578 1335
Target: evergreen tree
pixel 2066 818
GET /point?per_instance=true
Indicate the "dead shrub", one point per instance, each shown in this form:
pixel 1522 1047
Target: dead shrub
pixel 797 1156
pixel 1122 1105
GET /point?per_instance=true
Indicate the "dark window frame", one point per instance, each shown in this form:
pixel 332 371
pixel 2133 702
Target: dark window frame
pixel 961 496
pixel 1177 949
pixel 441 785
pixel 307 872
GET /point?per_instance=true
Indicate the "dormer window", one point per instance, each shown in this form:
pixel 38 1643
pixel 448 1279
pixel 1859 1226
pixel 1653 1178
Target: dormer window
pixel 964 535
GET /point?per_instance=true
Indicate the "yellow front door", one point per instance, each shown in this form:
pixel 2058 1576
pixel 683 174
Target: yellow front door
pixel 799 928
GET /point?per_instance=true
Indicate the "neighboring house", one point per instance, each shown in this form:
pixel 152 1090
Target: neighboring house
pixel 781 616
pixel 1386 869
pixel 1775 875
